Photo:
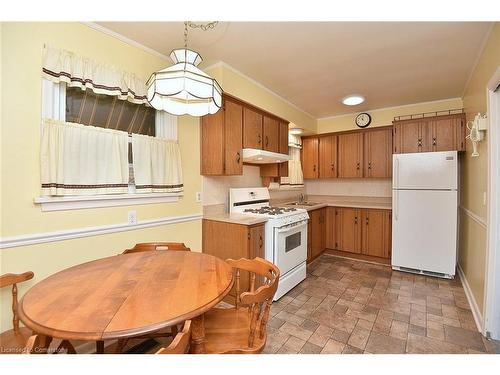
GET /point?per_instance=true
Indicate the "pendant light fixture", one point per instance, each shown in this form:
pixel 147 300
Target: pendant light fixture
pixel 183 88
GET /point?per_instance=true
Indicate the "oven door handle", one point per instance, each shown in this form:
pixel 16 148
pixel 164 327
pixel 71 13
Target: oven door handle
pixel 293 228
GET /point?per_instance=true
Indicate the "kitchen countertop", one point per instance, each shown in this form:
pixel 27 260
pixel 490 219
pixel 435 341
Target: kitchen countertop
pixel 235 218
pixel 382 203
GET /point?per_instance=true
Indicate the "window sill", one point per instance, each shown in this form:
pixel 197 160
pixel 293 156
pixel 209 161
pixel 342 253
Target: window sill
pixel 95 201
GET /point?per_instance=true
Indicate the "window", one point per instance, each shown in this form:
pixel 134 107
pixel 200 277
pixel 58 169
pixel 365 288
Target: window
pixel 78 159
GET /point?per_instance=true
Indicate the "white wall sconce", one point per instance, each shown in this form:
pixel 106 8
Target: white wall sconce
pixel 476 128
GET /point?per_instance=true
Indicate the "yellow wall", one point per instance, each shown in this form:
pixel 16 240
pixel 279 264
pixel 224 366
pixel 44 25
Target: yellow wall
pixel 240 86
pixel 21 45
pixel 474 173
pixel 384 116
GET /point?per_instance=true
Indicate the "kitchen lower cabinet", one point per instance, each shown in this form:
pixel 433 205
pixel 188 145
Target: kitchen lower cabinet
pixel 316 233
pixel 362 231
pixel 376 233
pixel 229 240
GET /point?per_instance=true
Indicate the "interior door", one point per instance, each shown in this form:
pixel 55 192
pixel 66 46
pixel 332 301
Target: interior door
pixel 233 128
pixel 378 153
pixel 424 230
pixel 349 230
pixel 328 157
pixel 310 157
pixel 271 134
pixel 252 129
pixel 350 149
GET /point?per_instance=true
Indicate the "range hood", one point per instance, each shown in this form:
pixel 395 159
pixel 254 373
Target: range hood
pixel 256 156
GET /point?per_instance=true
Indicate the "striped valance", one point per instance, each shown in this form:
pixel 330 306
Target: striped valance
pixel 77 71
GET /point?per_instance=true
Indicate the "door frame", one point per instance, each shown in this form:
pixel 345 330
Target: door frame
pixel 491 325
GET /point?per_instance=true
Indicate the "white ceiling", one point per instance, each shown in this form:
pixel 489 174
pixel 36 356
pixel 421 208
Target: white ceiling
pixel 315 64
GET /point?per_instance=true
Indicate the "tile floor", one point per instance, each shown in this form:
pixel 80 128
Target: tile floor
pixel 348 306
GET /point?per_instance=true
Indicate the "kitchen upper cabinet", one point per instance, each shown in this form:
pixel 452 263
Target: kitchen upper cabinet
pixel 212 144
pixel 438 133
pixel 271 134
pixel 376 233
pixel 378 153
pixel 283 141
pixel 317 221
pixel 349 230
pixel 221 141
pixel 310 162
pixel 350 155
pixel 252 128
pixel 331 228
pixel 233 113
pixel 328 156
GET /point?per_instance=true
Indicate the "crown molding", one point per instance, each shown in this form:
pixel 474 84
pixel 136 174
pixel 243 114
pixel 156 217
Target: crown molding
pixel 388 108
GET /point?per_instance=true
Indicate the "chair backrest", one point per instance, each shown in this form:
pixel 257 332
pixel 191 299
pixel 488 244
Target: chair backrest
pixel 157 246
pixel 180 344
pixel 258 301
pixel 13 279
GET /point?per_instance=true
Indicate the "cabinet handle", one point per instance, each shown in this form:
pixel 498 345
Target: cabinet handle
pixel 260 241
pixel 333 166
pixel 314 168
pixel 267 140
pixel 369 165
pixel 238 157
pixel 355 220
pixel 434 141
pixel 357 166
pixel 260 139
pixel 419 143
pixel 367 220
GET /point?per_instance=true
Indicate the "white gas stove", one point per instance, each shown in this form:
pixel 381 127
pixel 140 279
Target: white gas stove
pixel 285 233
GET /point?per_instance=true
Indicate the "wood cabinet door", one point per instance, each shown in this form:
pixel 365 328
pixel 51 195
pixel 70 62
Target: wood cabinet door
pixel 316 219
pixel 331 228
pixel 446 133
pixel 349 232
pixel 256 241
pixel 460 129
pixel 283 169
pixel 350 150
pixel 252 129
pixel 377 153
pixel 328 157
pixel 376 233
pixel 407 137
pixel 233 127
pixel 212 144
pixel 309 240
pixel 271 134
pixel 283 143
pixel 310 157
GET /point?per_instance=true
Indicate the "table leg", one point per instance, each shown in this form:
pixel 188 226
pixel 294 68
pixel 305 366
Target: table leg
pixel 44 343
pixel 99 346
pixel 198 335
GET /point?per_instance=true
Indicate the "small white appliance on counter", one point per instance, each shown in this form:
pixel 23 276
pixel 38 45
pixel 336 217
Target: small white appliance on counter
pixel 285 234
pixel 425 213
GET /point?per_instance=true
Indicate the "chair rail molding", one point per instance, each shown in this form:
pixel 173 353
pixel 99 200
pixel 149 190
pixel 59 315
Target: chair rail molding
pixel 37 238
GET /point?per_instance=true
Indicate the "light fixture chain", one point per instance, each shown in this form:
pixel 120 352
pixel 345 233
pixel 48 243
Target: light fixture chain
pixel 185 34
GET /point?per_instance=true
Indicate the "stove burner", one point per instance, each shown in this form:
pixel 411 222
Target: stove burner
pixel 266 210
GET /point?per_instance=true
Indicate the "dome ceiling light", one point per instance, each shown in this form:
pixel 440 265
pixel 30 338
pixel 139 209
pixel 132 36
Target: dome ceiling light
pixel 353 99
pixel 184 89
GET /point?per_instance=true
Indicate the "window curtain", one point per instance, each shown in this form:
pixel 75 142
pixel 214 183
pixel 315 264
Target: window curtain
pixel 295 176
pixel 157 165
pixel 83 160
pixel 166 125
pixel 76 71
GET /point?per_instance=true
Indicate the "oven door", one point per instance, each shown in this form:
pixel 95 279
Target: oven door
pixel 290 246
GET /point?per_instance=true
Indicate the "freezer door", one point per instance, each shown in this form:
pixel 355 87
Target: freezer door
pixel 424 230
pixel 425 170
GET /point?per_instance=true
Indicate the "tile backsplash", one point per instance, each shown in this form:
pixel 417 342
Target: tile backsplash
pixel 361 187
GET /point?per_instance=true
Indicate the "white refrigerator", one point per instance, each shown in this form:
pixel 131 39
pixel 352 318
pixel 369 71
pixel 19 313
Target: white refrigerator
pixel 425 213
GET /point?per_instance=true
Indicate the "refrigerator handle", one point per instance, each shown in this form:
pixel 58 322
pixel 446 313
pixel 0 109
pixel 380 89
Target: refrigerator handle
pixel 396 173
pixel 395 208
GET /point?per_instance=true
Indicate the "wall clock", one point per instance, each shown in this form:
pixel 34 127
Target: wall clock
pixel 363 120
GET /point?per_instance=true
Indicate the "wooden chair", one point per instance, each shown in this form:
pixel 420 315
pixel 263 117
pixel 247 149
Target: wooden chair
pixel 158 246
pixel 242 329
pixel 180 345
pixel 153 246
pixel 14 340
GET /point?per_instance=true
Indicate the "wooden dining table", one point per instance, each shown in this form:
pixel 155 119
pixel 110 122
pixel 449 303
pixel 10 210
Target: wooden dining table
pixel 126 296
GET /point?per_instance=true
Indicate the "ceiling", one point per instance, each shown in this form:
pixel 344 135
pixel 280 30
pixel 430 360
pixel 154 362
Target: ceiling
pixel 315 64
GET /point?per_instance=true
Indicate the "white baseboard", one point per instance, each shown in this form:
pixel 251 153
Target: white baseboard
pixel 476 313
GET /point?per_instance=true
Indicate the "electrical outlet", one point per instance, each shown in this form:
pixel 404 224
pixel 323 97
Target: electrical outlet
pixel 198 196
pixel 132 217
